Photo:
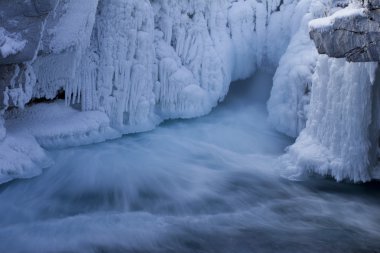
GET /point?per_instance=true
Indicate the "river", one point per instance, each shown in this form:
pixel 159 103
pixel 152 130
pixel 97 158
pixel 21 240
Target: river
pixel 210 184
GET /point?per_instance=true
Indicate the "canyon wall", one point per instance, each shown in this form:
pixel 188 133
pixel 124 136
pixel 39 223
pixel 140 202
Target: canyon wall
pixel 76 72
pixel 124 66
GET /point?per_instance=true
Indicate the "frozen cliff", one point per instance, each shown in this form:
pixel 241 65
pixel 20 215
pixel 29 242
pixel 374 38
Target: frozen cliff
pixel 339 130
pixel 123 66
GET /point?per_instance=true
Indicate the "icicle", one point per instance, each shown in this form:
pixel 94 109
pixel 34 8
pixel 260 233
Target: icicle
pixel 336 140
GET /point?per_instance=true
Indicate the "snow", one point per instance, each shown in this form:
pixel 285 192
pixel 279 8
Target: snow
pixel 64 33
pixel 10 43
pixel 130 65
pixel 351 10
pixel 47 125
pixel 55 125
pixel 21 157
pixel 147 62
pixel 327 104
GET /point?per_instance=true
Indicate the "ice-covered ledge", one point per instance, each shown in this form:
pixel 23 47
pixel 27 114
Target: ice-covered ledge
pixel 352 33
pixel 342 131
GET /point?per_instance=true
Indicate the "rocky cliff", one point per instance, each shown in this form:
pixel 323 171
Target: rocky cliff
pixel 352 33
pixel 341 135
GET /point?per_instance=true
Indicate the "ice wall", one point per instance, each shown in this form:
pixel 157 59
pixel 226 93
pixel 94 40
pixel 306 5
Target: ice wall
pixel 340 138
pixel 142 62
pixel 329 104
pixel 136 62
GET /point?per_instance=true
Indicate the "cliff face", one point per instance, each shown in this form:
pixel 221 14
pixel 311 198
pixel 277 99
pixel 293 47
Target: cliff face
pixel 342 130
pixel 352 33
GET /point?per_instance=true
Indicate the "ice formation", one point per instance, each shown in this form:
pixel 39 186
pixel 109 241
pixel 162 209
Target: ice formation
pixel 341 135
pixel 138 63
pixel 124 66
pixel 329 104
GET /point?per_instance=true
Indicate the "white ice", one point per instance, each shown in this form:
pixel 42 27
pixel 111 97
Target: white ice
pixel 10 43
pixel 141 62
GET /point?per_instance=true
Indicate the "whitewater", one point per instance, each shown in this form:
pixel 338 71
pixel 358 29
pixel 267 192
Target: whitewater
pixel 211 184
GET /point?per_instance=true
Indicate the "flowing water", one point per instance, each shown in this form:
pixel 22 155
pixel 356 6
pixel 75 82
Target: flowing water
pixel 203 185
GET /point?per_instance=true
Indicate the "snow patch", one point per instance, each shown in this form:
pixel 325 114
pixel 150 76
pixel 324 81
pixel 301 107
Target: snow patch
pixel 55 125
pixel 10 43
pixel 21 157
pixel 351 10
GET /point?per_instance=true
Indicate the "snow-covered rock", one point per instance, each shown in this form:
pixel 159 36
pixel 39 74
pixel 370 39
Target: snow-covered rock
pixel 352 33
pixel 340 137
pixel 329 104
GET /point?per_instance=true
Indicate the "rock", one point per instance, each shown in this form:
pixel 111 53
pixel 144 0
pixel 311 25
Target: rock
pixel 353 34
pixel 24 19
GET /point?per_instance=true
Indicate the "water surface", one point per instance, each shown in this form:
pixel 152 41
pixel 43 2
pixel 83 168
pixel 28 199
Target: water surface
pixel 204 185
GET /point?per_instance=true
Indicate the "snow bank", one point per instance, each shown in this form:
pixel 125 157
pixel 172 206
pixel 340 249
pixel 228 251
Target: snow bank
pixel 55 125
pixel 351 10
pixel 21 157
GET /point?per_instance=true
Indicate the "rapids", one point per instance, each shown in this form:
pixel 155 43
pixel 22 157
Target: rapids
pixel 210 184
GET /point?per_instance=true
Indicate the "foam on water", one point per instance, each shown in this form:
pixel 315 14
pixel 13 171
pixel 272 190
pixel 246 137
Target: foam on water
pixel 205 185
